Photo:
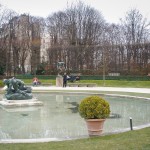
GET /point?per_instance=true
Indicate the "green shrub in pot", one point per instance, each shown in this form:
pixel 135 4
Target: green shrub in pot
pixel 94 107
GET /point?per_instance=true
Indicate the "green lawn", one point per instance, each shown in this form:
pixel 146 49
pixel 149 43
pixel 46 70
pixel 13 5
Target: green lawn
pixel 119 83
pixel 108 83
pixel 132 140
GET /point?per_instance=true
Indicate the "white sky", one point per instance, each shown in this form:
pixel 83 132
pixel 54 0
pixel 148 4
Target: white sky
pixel 112 10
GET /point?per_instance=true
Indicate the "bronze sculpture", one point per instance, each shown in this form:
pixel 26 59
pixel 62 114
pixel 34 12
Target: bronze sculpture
pixel 16 90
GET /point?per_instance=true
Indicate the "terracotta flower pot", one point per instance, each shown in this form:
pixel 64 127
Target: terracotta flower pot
pixel 95 126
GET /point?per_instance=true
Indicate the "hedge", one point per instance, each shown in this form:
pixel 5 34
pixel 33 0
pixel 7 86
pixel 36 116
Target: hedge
pixel 84 77
pixel 129 78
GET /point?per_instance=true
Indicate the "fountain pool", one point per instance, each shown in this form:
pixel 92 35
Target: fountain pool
pixel 58 118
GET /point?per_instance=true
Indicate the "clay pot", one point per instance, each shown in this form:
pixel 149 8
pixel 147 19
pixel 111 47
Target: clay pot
pixel 95 126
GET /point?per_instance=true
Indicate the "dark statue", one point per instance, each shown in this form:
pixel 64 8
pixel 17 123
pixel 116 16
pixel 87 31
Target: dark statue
pixel 16 90
pixel 61 68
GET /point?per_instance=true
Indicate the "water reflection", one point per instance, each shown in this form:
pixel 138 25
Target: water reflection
pixel 74 107
pixel 114 116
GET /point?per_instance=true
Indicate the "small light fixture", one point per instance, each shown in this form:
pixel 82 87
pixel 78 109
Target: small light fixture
pixel 131 126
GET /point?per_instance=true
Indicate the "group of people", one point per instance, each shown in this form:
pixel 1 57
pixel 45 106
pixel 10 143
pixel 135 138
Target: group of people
pixel 65 79
pixel 36 81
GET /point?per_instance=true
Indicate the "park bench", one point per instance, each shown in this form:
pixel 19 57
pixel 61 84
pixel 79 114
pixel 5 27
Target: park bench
pixel 42 84
pixel 82 84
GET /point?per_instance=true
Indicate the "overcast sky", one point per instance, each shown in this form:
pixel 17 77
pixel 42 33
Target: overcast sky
pixel 112 10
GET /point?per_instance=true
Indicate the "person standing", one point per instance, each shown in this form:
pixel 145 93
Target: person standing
pixel 65 80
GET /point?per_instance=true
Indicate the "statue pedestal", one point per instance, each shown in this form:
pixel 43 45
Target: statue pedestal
pixel 59 81
pixel 20 103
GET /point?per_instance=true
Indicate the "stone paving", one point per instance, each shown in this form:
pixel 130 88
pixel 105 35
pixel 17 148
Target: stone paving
pixel 86 89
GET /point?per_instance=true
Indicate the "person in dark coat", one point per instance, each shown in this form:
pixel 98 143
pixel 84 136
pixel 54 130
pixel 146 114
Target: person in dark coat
pixel 65 80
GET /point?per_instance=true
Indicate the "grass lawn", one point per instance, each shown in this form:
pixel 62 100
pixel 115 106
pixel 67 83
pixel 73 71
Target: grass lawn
pixel 119 83
pixel 108 83
pixel 131 140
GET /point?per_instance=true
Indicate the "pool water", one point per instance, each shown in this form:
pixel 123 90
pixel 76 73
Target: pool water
pixel 59 117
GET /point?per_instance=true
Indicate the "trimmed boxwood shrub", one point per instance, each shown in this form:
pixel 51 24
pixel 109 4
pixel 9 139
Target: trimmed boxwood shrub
pixel 94 107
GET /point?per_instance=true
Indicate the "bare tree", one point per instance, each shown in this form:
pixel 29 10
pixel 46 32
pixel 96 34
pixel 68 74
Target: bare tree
pixel 3 37
pixel 6 39
pixel 75 31
pixel 136 29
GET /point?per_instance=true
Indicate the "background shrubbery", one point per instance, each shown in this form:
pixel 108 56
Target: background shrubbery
pixel 1 83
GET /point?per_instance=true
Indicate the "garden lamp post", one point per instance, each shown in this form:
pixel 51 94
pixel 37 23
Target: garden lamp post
pixel 103 67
